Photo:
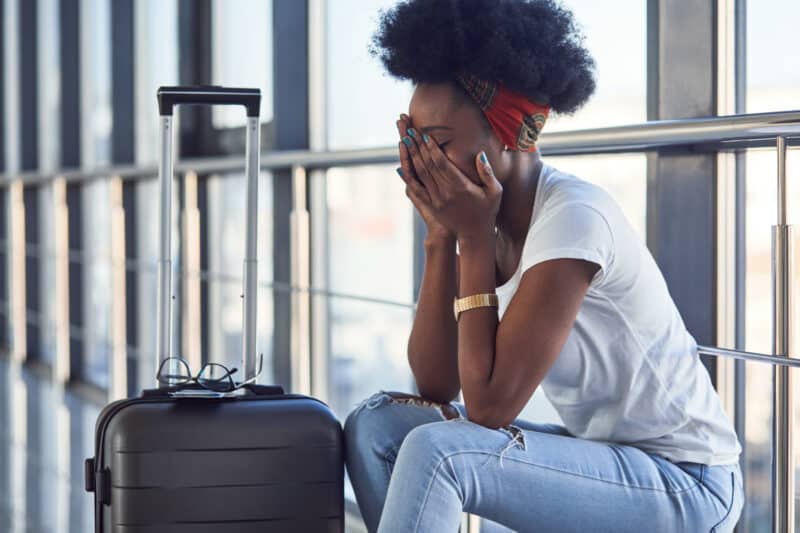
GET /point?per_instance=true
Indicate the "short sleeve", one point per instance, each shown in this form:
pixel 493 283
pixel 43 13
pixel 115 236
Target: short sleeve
pixel 573 231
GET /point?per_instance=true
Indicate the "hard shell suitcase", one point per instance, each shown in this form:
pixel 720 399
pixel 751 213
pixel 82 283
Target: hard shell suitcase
pixel 263 461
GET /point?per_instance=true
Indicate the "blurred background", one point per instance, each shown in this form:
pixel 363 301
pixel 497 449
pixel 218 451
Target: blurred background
pixel 79 223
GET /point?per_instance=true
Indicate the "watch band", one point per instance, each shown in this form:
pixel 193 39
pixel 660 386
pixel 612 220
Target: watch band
pixel 472 301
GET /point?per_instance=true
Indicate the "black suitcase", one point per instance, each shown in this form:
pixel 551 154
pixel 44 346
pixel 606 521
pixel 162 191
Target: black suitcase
pixel 261 461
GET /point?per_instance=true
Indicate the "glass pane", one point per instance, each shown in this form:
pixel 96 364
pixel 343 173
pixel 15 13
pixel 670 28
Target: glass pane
pixel 49 85
pixel 773 73
pixel 97 283
pixel 146 249
pixel 380 98
pixel 156 27
pixel 226 223
pixel 96 116
pixel 611 34
pixel 367 353
pixel 242 54
pixel 370 233
pixel 11 98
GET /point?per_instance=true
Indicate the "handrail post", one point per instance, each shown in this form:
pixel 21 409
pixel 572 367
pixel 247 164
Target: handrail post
pixel 783 463
pixel 300 246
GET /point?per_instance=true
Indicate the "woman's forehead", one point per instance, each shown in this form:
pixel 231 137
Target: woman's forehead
pixel 435 105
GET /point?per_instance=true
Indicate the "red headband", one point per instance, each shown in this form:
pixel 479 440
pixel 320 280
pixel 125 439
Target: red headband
pixel 516 120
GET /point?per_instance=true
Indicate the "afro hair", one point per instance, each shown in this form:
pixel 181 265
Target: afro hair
pixel 534 47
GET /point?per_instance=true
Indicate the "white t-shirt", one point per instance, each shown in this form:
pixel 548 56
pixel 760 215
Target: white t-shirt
pixel 629 371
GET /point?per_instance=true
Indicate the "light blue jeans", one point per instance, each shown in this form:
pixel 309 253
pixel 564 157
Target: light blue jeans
pixel 417 465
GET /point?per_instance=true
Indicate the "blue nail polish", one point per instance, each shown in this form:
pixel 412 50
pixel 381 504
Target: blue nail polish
pixel 425 138
pixel 407 141
pixel 483 158
pixel 411 132
pixel 399 171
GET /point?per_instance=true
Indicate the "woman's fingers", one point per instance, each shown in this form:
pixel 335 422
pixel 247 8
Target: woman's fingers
pixel 447 174
pixel 425 156
pixel 412 183
pixel 421 169
pixel 405 162
pixel 405 156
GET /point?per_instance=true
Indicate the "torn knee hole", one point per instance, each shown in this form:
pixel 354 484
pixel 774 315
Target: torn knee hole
pixel 516 437
pixel 447 410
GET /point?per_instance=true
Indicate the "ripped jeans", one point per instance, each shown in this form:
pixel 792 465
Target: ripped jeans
pixel 417 465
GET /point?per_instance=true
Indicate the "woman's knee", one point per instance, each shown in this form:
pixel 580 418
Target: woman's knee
pixel 369 416
pixel 364 412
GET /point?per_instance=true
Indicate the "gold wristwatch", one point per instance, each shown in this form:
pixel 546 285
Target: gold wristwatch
pixel 472 301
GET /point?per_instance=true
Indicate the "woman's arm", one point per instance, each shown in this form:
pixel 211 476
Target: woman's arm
pixel 433 343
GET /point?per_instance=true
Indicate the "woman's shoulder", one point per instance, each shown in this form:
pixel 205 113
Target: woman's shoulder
pixel 560 188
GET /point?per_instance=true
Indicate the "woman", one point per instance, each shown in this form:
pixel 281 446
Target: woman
pixel 566 297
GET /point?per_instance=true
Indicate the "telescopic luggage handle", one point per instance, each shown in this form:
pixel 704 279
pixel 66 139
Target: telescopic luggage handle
pixel 168 97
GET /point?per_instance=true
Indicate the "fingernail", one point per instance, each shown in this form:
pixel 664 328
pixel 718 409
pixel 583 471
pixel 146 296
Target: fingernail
pixel 484 160
pixel 399 171
pixel 425 138
pixel 411 132
pixel 407 141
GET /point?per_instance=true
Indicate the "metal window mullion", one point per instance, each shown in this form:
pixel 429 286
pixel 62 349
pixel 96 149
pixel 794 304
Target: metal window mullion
pixel 319 274
pixel 290 132
pixel 29 160
pixel 726 209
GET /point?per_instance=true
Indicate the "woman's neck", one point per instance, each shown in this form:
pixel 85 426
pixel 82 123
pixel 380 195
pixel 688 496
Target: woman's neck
pixel 519 191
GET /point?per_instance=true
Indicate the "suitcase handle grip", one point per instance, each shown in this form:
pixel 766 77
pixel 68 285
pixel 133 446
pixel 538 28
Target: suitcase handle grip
pixel 169 97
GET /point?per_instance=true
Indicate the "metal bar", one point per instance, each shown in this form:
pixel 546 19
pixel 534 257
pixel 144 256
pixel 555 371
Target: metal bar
pixel 191 306
pixel 713 133
pixel 164 290
pixel 16 262
pixel 250 288
pixel 780 143
pixel 300 246
pixel 783 419
pixel 750 356
pixel 118 366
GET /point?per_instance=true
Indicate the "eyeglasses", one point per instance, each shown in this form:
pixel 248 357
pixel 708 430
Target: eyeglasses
pixel 174 371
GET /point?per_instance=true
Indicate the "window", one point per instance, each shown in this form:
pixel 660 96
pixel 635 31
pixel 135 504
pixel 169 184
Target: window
pixel 226 242
pixel 156 27
pixel 611 34
pixel 377 100
pixel 242 54
pixel 49 83
pixel 96 114
pixel 369 254
pixel 772 78
pixel 97 282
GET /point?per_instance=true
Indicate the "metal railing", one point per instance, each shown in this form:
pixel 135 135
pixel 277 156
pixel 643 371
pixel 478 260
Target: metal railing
pixel 713 134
